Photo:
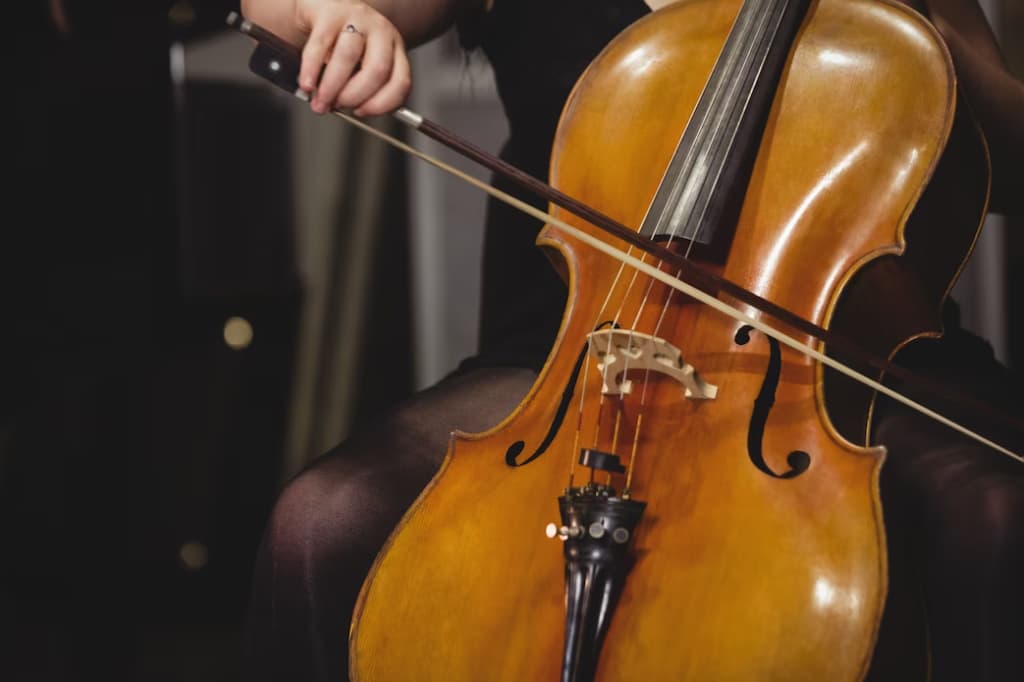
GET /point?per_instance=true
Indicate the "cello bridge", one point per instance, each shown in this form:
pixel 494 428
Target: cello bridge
pixel 619 350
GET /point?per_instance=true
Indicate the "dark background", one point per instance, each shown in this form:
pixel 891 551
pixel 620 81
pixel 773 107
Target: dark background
pixel 140 454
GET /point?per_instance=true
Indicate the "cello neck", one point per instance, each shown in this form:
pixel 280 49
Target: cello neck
pixel 709 168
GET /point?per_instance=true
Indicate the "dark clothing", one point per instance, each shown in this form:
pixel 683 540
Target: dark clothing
pixel 538 49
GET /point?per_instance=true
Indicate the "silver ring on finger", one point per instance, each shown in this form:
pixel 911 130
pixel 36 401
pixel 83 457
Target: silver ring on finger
pixel 350 28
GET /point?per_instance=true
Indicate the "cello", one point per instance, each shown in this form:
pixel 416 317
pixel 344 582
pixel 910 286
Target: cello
pixel 725 531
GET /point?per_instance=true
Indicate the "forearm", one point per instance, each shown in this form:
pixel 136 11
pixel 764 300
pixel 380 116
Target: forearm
pixel 417 20
pixel 996 98
pixel 995 95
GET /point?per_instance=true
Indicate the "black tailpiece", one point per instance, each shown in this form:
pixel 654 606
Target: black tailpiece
pixel 597 528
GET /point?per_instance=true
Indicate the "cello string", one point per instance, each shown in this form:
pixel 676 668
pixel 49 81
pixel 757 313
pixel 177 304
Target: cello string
pixel 626 356
pixel 681 286
pixel 586 375
pixel 596 323
pixel 627 490
pixel 632 327
pixel 621 394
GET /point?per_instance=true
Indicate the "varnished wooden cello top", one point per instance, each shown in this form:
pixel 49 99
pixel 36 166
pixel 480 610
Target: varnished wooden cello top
pixel 738 573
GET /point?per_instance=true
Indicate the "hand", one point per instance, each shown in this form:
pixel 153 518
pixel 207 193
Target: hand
pixel 367 69
pixel 59 17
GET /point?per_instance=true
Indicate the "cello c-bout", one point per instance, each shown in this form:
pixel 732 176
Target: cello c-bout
pixel 761 551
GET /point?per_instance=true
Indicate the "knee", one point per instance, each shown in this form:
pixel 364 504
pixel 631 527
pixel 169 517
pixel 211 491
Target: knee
pixel 1002 513
pixel 342 508
pixel 315 552
pixel 986 522
pixel 295 519
pixel 317 514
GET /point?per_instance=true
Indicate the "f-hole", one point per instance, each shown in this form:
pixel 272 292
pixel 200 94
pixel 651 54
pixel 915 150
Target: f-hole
pixel 798 460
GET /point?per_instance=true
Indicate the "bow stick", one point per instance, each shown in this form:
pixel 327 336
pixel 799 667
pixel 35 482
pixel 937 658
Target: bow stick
pixel 281 66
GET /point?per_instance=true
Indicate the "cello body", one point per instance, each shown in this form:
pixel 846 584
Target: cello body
pixel 738 570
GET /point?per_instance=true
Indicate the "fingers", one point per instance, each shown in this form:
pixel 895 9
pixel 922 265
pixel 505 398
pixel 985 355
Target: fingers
pixel 383 82
pixel 348 51
pixel 317 49
pixel 355 59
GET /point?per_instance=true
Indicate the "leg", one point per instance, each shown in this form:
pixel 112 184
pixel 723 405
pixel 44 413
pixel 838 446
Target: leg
pixel 964 506
pixel 959 507
pixel 331 520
